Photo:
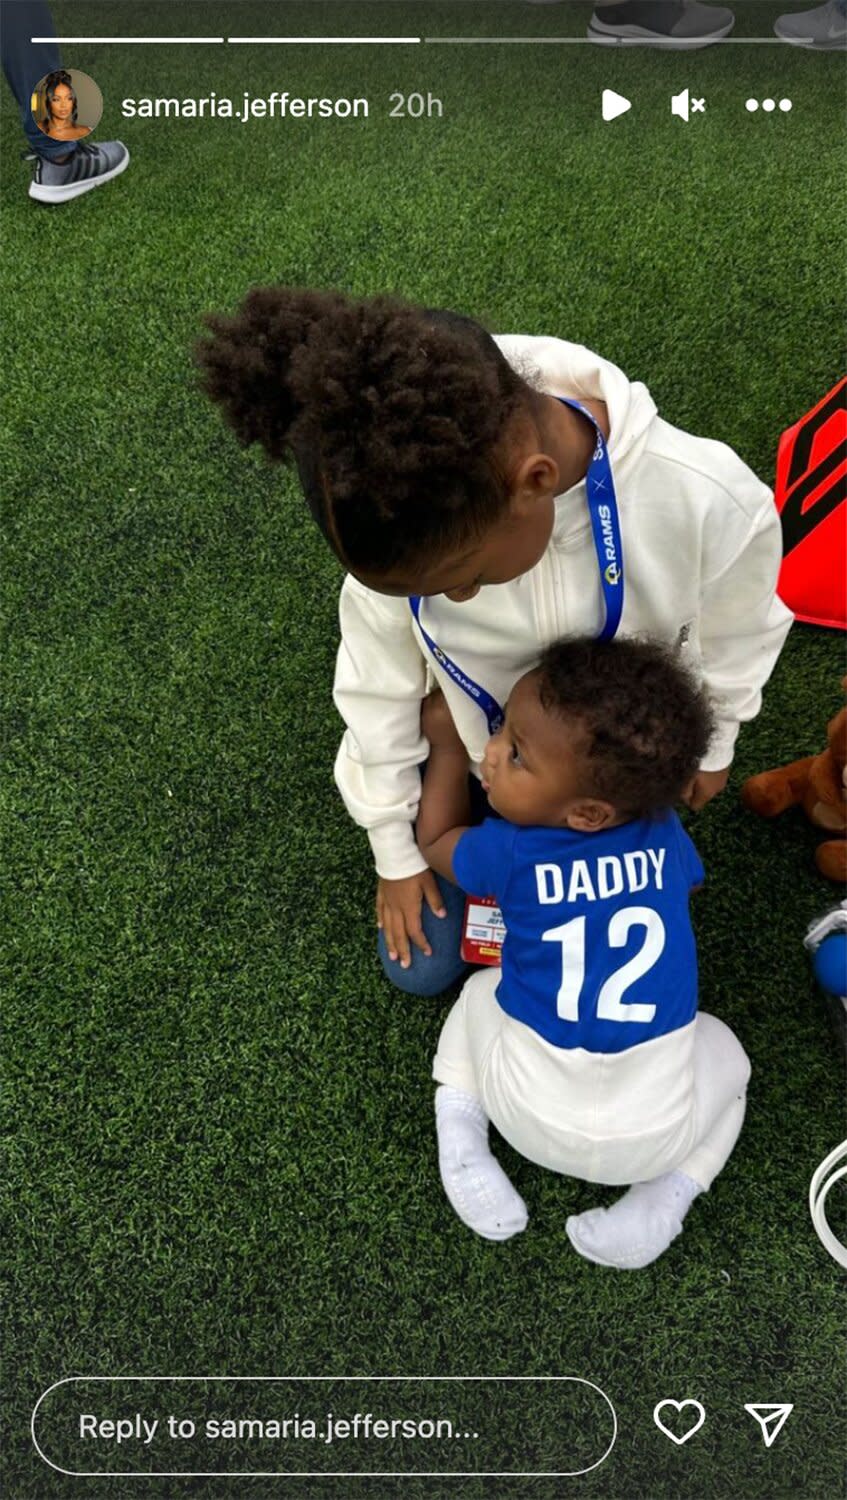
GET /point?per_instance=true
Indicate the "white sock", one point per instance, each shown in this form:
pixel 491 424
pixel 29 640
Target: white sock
pixel 639 1227
pixel 475 1183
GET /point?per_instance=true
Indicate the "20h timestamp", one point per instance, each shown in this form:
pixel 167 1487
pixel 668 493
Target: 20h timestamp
pixel 415 106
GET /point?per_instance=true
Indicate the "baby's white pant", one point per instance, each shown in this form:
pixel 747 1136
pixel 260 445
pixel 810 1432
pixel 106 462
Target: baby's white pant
pixel 675 1102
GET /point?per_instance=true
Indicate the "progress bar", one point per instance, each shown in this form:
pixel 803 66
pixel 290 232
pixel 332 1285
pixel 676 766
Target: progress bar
pixel 587 41
pixel 133 40
pixel 282 41
pixel 314 41
pixel 407 41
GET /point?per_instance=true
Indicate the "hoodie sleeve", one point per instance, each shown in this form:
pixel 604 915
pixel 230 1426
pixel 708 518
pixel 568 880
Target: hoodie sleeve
pixel 743 623
pixel 380 680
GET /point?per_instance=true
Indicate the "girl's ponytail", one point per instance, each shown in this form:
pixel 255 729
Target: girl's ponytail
pixel 257 365
pixel 394 414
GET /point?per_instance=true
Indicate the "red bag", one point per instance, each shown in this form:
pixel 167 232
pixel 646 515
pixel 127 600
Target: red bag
pixel 811 497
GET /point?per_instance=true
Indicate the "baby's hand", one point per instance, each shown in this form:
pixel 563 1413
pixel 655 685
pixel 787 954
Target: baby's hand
pixel 437 724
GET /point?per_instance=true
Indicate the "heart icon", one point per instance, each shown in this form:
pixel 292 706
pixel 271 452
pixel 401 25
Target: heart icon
pixel 677 1406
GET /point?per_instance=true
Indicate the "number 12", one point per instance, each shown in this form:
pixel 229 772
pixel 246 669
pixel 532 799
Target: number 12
pixel 571 936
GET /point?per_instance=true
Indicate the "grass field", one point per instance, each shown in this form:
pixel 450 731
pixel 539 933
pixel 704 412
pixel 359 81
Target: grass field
pixel 221 1154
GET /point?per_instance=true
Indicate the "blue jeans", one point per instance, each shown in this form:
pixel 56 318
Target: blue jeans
pixel 25 63
pixel 430 976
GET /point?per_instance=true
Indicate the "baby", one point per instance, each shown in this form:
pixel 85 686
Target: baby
pixel 586 1049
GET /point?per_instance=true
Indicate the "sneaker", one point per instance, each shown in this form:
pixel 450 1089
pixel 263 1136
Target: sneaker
pixel 824 29
pixel 660 23
pixel 89 167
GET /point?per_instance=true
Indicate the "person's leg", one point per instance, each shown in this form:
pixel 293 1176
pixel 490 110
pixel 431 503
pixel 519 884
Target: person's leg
pixel 432 975
pixel 476 1185
pixel 63 169
pixel 721 1075
pixel 26 62
pixel 638 1228
pixel 445 965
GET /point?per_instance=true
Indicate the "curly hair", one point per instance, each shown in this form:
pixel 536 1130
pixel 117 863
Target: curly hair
pixel 645 722
pixel 393 414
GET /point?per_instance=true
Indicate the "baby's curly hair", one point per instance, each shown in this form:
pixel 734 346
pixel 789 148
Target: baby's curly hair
pixel 393 414
pixel 645 722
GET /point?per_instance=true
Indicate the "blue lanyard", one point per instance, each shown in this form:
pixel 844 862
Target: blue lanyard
pixel 490 707
pixel 605 526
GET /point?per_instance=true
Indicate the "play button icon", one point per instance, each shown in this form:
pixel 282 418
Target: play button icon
pixel 614 104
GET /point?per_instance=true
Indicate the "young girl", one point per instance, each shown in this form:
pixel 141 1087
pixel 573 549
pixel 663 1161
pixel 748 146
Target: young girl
pixel 486 497
pixel 586 1049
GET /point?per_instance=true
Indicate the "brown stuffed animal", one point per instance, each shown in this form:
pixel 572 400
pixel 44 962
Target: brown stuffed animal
pixel 819 785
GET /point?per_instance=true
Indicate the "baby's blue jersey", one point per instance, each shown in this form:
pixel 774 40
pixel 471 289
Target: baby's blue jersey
pixel 599 951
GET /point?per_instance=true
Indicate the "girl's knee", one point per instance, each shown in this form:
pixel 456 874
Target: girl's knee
pixel 424 976
pixel 445 965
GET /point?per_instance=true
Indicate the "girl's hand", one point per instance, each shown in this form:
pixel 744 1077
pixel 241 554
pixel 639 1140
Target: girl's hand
pixel 437 724
pixel 398 913
pixel 704 787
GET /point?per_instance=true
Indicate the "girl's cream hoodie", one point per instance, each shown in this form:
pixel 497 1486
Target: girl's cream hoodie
pixel 701 548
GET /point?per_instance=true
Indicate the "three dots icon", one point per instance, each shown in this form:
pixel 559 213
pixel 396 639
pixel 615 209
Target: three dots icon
pixel 768 105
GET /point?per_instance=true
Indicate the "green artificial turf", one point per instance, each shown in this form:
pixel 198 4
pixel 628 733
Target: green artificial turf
pixel 221 1154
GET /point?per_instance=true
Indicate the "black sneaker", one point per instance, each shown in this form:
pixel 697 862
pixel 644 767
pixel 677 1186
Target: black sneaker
pixel 89 167
pixel 660 23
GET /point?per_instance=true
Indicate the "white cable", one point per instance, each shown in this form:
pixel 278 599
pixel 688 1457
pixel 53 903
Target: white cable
pixel 834 921
pixel 818 1192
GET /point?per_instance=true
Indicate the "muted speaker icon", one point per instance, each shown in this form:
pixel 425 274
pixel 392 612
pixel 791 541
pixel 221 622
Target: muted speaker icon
pixel 683 105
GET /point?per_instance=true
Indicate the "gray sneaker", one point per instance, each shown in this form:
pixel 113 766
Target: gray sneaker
pixel 89 167
pixel 675 24
pixel 823 29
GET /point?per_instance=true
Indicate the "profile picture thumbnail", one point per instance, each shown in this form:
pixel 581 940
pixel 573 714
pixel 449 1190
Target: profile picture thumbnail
pixel 67 105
